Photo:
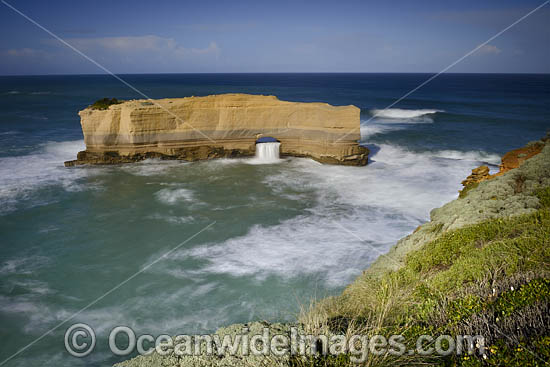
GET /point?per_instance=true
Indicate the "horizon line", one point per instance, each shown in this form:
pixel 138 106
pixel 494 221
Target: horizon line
pixel 282 72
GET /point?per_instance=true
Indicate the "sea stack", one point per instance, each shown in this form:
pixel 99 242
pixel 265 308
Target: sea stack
pixel 216 126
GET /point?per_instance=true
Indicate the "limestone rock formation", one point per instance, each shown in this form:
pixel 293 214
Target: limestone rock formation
pixel 479 174
pixel 515 158
pixel 509 161
pixel 226 125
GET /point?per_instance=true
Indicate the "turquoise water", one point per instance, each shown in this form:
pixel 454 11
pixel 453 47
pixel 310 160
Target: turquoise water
pixel 283 233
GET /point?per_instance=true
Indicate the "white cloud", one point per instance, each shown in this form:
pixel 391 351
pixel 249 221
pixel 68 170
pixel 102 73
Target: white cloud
pixel 211 49
pixel 139 44
pixel 125 54
pixel 23 52
pixel 125 44
pixel 220 27
pixel 490 49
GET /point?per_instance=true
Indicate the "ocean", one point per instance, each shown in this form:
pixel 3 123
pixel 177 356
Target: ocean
pixel 284 233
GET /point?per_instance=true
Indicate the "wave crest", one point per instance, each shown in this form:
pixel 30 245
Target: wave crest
pixel 399 113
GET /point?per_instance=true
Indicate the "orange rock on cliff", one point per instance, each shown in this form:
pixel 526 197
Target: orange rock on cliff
pixel 512 159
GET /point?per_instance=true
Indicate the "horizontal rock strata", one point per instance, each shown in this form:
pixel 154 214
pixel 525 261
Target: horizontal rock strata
pixel 216 126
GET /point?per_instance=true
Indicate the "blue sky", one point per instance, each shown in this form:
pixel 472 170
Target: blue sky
pixel 273 36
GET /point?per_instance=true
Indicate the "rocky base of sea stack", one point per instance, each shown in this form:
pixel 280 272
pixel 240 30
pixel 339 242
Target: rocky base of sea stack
pixel 185 154
pixel 357 157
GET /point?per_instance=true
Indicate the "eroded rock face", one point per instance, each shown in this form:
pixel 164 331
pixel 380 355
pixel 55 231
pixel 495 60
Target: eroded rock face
pixel 515 158
pixel 216 126
pixel 509 161
pixel 479 174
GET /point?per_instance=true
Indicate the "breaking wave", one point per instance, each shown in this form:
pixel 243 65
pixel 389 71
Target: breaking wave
pixel 398 113
pixel 21 176
pixel 358 214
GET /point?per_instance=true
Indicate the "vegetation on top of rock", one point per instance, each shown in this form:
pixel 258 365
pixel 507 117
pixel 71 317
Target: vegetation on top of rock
pixel 104 103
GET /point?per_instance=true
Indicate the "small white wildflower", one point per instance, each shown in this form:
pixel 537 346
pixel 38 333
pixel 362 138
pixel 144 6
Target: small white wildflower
pixel 512 288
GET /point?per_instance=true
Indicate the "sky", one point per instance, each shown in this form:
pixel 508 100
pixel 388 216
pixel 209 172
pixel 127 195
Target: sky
pixel 204 36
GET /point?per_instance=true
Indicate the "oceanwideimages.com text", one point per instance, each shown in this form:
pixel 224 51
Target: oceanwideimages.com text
pixel 80 341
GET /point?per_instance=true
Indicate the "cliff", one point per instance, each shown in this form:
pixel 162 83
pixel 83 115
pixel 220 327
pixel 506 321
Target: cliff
pixel 511 160
pixel 510 192
pixel 215 126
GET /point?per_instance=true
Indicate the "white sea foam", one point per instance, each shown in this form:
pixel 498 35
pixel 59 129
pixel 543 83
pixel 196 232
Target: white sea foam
pixel 401 114
pixel 152 167
pixel 20 176
pixel 33 286
pixel 173 196
pixel 23 265
pixel 393 119
pixel 40 315
pixel 172 218
pixel 359 213
pixel 372 128
pixel 9 133
pixel 477 156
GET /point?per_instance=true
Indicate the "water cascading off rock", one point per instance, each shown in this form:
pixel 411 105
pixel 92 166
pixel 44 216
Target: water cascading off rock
pixel 267 152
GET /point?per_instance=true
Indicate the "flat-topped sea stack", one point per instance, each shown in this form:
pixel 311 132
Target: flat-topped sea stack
pixel 216 126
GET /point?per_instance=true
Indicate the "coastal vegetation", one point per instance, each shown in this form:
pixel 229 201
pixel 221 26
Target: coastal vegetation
pixel 104 103
pixel 489 279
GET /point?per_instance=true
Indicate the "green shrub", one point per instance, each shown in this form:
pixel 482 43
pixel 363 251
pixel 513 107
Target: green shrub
pixel 544 197
pixel 104 103
pixel 515 299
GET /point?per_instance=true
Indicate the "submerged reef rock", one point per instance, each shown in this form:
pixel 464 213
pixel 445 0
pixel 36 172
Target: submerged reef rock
pixel 216 126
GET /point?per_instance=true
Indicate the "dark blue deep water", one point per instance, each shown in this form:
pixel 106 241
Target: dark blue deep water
pixel 70 235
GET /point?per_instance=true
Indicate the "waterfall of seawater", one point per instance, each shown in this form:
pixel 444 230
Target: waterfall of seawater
pixel 267 152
